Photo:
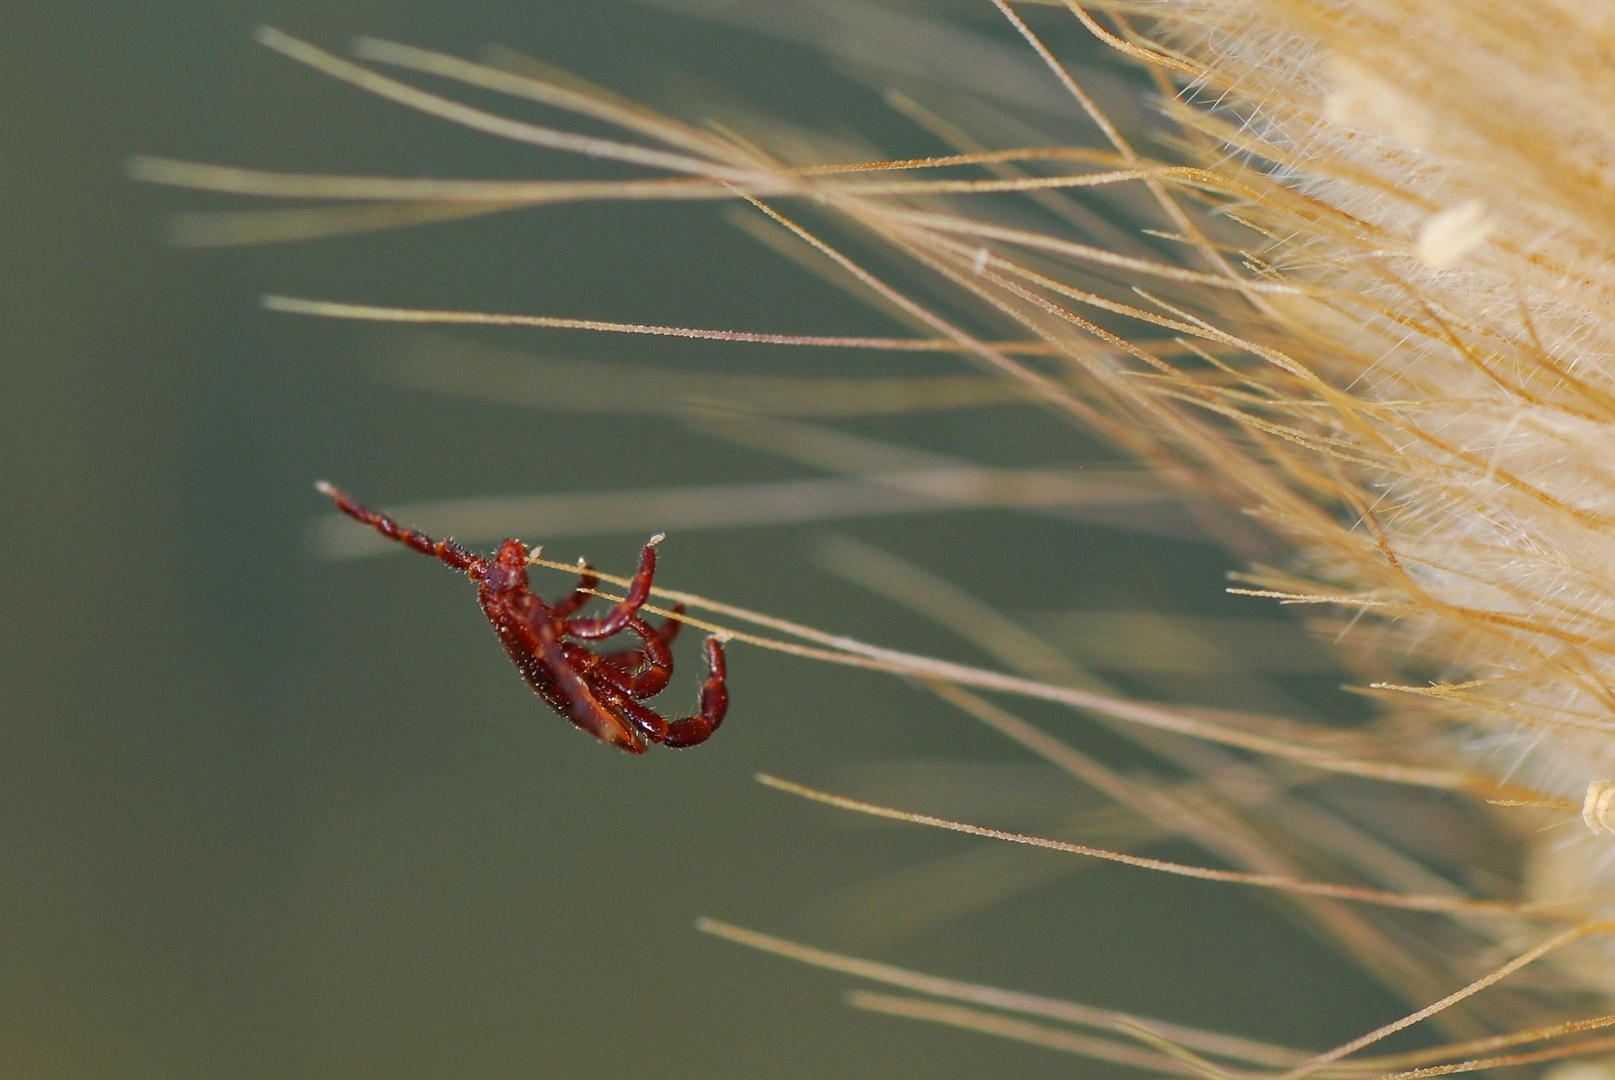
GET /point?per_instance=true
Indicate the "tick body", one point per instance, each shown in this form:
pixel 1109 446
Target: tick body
pixel 600 692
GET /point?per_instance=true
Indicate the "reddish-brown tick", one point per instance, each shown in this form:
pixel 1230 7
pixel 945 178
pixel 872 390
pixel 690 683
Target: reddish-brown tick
pixel 599 692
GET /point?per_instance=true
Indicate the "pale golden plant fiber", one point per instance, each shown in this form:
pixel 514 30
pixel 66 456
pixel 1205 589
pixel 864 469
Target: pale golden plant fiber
pixel 1350 303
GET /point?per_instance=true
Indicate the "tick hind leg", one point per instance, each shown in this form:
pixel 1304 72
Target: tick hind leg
pixel 686 731
pixel 645 679
pixel 671 625
pixel 635 658
pixel 694 730
pixel 642 718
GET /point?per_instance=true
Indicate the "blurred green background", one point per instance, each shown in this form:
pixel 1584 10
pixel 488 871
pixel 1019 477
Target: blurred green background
pixel 262 815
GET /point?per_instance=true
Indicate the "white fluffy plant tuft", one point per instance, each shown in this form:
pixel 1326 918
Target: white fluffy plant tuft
pixel 1453 171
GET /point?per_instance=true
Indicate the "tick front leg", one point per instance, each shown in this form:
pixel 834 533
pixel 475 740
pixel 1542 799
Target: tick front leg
pixel 446 550
pixel 694 730
pixel 615 621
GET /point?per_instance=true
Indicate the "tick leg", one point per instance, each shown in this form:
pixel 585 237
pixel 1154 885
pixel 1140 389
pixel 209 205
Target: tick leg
pixel 615 621
pixel 447 550
pixel 649 679
pixel 672 625
pixel 592 668
pixel 578 597
pixel 647 721
pixel 693 730
pixel 634 659
pixel 542 660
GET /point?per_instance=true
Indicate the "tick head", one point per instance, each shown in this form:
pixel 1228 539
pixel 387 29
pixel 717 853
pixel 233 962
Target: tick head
pixel 506 572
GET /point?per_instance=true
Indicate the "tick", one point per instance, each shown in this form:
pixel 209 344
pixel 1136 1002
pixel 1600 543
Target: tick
pixel 600 692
